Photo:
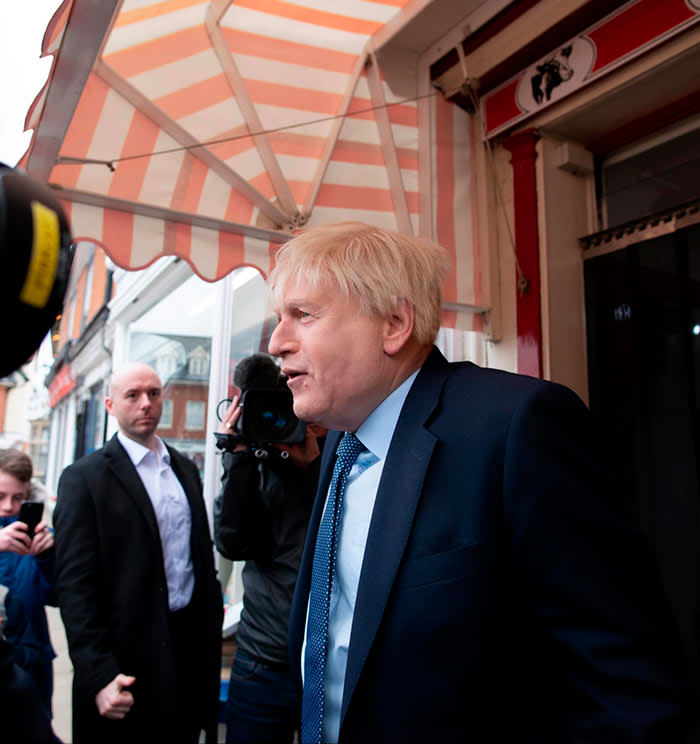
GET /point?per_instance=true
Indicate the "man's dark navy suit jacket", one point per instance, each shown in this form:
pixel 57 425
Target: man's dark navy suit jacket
pixel 504 596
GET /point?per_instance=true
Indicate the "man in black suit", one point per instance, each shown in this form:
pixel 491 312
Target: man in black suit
pixel 137 587
pixel 482 583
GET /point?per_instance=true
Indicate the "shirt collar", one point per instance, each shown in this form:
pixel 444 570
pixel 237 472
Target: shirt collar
pixel 377 429
pixel 137 451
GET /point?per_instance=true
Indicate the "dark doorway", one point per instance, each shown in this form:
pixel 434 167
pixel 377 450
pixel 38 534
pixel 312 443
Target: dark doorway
pixel 643 315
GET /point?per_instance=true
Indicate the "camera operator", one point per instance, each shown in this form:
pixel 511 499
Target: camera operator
pixel 260 516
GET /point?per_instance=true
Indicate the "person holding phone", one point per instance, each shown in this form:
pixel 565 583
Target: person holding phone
pixel 27 560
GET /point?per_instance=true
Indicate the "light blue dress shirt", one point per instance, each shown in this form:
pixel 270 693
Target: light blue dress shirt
pixel 375 433
pixel 172 514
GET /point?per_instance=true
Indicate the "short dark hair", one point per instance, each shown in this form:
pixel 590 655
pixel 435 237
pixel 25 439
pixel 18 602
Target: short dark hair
pixel 16 463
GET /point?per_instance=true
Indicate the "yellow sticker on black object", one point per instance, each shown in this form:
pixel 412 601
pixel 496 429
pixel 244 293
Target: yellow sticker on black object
pixel 43 262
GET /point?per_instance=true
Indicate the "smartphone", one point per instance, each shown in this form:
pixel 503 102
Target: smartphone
pixel 30 512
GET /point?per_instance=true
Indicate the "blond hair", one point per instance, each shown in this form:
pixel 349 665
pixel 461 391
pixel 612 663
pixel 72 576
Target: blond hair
pixel 378 267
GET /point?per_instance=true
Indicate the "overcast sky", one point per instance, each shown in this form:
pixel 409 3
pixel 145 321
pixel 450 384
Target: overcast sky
pixel 22 70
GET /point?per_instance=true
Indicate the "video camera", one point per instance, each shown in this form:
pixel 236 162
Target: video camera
pixel 267 412
pixel 35 260
pixel 267 416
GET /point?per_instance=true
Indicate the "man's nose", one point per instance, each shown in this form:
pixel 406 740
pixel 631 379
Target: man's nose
pixel 276 346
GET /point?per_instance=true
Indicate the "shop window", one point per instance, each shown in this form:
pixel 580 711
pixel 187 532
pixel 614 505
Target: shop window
pixel 175 336
pixel 651 176
pixel 199 362
pixel 88 424
pixel 252 321
pixel 194 415
pixel 168 336
pixel 95 421
pixel 166 419
pixel 643 323
pixel 39 447
pixel 167 362
pixel 87 296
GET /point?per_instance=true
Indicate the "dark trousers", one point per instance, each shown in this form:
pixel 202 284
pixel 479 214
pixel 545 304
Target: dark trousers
pixel 43 679
pixel 189 673
pixel 263 706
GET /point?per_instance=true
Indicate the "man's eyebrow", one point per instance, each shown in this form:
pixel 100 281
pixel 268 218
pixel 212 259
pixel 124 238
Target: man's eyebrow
pixel 296 303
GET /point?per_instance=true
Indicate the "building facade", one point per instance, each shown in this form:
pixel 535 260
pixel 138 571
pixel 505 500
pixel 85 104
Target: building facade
pixel 589 115
pixel 550 145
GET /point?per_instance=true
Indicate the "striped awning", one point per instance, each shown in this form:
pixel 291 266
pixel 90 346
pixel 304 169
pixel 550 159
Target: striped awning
pixel 214 129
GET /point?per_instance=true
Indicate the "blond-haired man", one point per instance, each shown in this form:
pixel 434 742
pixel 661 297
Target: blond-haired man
pixel 470 577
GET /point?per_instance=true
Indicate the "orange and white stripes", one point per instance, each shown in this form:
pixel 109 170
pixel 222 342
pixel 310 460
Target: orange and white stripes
pixel 454 201
pixel 223 118
pixel 135 241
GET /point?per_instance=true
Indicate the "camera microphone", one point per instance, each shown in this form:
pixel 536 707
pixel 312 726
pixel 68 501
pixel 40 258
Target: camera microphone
pixel 36 256
pixel 267 406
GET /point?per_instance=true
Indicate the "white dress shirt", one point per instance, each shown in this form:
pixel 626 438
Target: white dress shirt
pixel 172 514
pixel 375 433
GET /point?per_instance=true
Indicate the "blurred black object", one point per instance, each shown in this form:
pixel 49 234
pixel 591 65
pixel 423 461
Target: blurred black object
pixel 35 260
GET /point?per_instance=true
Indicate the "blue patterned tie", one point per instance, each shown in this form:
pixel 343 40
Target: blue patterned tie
pixel 319 598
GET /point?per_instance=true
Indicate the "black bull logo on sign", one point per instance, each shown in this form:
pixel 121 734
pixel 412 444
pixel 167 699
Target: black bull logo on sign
pixel 552 72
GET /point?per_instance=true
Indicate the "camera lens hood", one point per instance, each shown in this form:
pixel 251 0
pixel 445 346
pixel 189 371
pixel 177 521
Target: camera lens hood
pixel 35 260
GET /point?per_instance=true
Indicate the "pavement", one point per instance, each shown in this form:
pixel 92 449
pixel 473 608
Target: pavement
pixel 62 677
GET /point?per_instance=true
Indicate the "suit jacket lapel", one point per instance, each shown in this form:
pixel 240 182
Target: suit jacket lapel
pixel 398 495
pixel 125 473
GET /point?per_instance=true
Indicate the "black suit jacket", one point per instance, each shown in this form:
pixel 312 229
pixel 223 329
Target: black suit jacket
pixel 114 599
pixel 503 595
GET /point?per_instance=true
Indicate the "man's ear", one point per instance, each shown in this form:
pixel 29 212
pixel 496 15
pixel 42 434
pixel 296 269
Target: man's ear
pixel 398 327
pixel 108 405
